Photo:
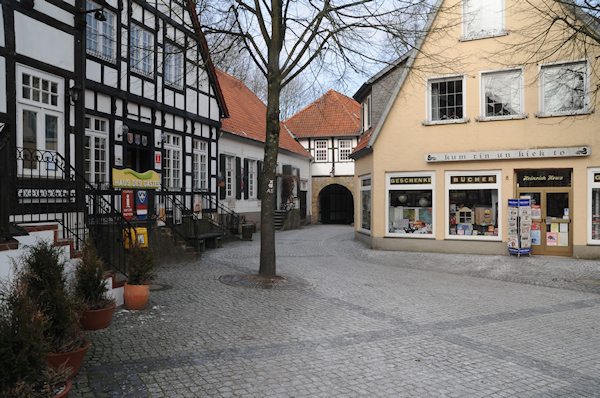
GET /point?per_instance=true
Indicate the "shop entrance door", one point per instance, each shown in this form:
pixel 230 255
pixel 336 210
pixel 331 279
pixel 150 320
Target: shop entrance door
pixel 551 221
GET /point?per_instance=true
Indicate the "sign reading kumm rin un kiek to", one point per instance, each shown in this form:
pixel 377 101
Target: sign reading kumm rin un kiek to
pixel 510 154
pixel 128 178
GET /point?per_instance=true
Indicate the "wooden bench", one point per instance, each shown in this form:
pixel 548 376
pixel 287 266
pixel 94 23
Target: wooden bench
pixel 211 240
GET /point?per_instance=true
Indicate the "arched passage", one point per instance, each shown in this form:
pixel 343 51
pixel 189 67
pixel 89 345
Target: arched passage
pixel 336 205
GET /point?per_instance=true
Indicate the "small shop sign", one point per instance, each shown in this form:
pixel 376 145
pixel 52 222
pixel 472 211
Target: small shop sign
pixel 409 180
pixel 473 179
pixel 128 178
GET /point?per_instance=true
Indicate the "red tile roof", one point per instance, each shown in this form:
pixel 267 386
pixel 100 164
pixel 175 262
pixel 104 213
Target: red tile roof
pixel 333 114
pixel 248 114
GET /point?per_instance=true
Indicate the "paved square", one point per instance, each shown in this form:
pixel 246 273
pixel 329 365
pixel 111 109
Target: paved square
pixel 371 324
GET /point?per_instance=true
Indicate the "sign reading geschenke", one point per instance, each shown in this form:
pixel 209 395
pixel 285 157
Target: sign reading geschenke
pixel 128 178
pixel 539 153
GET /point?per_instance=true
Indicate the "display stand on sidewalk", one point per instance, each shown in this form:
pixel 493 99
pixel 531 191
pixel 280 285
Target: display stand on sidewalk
pixel 519 226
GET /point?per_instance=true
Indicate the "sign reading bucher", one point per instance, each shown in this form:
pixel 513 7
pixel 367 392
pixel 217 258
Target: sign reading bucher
pixel 128 178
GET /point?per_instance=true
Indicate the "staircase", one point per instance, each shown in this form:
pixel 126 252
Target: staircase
pixel 280 217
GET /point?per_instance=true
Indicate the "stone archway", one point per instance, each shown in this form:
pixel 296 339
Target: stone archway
pixel 336 205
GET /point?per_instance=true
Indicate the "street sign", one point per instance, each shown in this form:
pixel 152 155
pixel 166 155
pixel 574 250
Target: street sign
pixel 127 203
pixel 141 203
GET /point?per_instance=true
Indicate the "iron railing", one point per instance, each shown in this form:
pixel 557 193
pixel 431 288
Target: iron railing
pixel 182 220
pixel 223 218
pixel 46 188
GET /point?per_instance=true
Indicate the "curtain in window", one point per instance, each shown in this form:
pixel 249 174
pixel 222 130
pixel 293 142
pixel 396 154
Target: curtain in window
pixel 482 18
pixel 502 93
pixel 564 88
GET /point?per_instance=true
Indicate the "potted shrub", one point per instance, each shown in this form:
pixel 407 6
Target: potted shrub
pixel 24 372
pixel 90 291
pixel 142 264
pixel 46 285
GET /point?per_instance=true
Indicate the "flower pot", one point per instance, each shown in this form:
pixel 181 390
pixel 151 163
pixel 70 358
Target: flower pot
pixel 136 296
pixel 65 391
pixel 96 319
pixel 72 359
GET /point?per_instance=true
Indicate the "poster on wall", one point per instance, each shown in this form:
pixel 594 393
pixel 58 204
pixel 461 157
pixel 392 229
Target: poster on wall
pixel 551 238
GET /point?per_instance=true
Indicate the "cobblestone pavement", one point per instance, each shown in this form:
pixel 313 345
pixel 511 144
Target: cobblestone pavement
pixel 370 324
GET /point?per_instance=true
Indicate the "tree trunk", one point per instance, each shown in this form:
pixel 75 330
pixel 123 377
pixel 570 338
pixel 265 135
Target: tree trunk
pixel 268 266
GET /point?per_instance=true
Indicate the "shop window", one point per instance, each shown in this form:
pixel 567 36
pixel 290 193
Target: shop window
pixel 564 88
pixel 96 137
pixel 473 205
pixel 482 18
pixel 410 204
pixel 594 206
pixel 200 166
pixel 365 203
pixel 172 167
pixel 502 94
pixel 100 36
pixel 445 100
pixel 141 48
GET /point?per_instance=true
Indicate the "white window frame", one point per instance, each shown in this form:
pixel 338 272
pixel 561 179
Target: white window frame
pixel 447 78
pixel 173 66
pixel 483 104
pixel 542 84
pixel 173 161
pixel 366 112
pixel 141 50
pixel 252 169
pixel 590 211
pixel 408 187
pixel 102 33
pixel 497 185
pixel 482 34
pixel 200 165
pixel 42 109
pixel 93 132
pixel 363 188
pixel 344 151
pixel 229 174
pixel 321 150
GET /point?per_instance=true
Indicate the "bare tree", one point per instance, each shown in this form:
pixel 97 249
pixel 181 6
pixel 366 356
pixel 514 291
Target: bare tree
pixel 284 38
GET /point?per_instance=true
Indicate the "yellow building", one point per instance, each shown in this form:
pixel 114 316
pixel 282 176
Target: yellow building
pixel 497 103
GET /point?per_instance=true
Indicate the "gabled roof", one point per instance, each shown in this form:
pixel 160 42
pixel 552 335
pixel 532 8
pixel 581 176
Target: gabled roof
pixel 332 115
pixel 366 87
pixel 247 115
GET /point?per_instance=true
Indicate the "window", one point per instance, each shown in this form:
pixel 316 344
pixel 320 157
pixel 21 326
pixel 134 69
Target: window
pixel 141 49
pixel 172 161
pixel 502 94
pixel 321 150
pixel 410 204
pixel 40 121
pixel 251 179
pixel 446 103
pixel 100 35
pixel 229 192
pixel 365 203
pixel 594 206
pixel 473 210
pixel 345 149
pixel 173 65
pixel 564 88
pixel 200 166
pixel 483 18
pixel 365 109
pixel 96 133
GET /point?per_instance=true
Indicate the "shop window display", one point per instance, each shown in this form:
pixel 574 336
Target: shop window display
pixel 596 214
pixel 473 212
pixel 410 211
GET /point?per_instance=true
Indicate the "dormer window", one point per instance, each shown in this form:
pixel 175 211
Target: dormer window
pixel 365 110
pixel 483 18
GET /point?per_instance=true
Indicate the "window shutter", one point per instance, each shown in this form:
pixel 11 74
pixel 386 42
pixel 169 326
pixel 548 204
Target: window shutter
pixel 245 178
pixel 222 177
pixel 238 178
pixel 287 169
pixel 298 173
pixel 259 179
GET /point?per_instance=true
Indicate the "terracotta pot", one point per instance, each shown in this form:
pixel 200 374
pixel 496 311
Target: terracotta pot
pixel 72 359
pixel 96 319
pixel 64 392
pixel 136 296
